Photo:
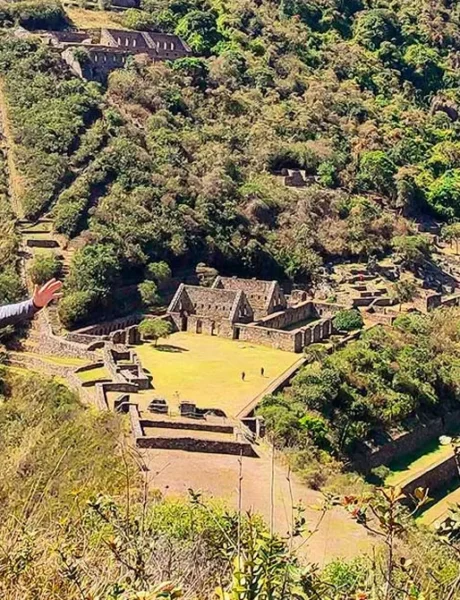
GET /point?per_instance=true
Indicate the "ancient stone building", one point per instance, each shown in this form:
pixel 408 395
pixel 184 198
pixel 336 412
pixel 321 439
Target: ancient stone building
pixel 265 297
pixel 209 310
pixel 93 55
pixel 251 310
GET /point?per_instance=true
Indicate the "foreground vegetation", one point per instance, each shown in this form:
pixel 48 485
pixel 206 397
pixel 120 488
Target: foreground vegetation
pixel 78 522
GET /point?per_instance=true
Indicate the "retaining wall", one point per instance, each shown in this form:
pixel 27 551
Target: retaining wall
pixel 192 426
pixel 405 443
pixel 435 477
pixel 196 445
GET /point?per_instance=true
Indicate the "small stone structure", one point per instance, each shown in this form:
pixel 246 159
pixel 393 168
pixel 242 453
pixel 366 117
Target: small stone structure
pixel 217 435
pixel 93 55
pixel 124 365
pixel 253 311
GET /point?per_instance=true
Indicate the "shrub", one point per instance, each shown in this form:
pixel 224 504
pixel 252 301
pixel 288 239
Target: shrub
pixel 44 267
pixel 149 293
pixel 74 308
pixel 379 475
pixel 348 320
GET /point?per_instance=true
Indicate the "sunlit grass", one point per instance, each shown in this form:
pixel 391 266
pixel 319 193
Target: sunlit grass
pixel 208 370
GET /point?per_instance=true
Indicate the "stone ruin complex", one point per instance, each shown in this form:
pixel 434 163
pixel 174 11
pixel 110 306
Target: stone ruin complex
pixel 253 311
pixel 93 56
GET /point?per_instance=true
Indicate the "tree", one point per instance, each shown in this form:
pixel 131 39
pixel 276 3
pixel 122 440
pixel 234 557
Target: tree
pixel 451 233
pixel 44 267
pixel 93 270
pixel 404 290
pixel 412 249
pixel 159 272
pixel 443 194
pixel 148 291
pixel 376 172
pixel 74 308
pixel 154 329
pixel 348 320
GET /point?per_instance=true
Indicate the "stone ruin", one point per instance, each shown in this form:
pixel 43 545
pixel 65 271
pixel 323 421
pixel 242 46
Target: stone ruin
pixel 93 55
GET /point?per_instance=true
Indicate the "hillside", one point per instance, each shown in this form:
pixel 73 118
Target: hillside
pixel 182 161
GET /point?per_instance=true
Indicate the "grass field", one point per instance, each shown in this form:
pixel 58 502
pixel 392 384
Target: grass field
pixel 207 370
pixel 83 18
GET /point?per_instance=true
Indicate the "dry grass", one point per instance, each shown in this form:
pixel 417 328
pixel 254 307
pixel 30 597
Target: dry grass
pixel 207 370
pixel 83 18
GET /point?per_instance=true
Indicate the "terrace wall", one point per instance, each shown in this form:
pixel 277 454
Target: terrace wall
pixel 197 445
pixel 435 477
pixel 405 443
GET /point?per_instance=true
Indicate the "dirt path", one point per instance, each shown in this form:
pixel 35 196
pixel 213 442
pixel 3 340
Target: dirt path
pixel 16 184
pixel 174 472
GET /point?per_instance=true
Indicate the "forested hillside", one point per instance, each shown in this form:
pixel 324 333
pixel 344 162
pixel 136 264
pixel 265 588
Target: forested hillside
pixel 180 162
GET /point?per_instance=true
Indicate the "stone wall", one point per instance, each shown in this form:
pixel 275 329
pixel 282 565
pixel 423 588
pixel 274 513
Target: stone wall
pixel 90 367
pixel 103 388
pixel 107 327
pixel 37 243
pixel 435 477
pixel 191 426
pixel 290 341
pixel 197 445
pixel 327 309
pixel 381 318
pixel 51 370
pixel 134 418
pixel 289 316
pixel 451 301
pixel 404 443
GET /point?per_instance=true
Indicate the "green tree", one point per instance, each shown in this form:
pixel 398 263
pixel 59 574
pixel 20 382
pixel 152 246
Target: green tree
pixel 154 329
pixel 198 29
pixel 148 291
pixel 412 249
pixel 11 288
pixel 75 308
pixel 94 270
pixel 444 194
pixel 44 267
pixel 404 290
pixel 348 320
pixel 376 172
pixel 373 27
pixel 159 272
pixel 451 233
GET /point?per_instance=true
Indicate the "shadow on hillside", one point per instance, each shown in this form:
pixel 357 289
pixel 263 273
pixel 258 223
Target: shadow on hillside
pixel 170 348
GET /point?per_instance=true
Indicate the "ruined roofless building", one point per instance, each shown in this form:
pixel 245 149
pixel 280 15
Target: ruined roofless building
pixel 93 56
pixel 264 297
pixel 253 311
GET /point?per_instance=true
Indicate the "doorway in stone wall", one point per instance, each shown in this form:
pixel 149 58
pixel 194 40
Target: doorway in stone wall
pixel 184 323
pixel 213 328
pixel 236 333
pixel 199 326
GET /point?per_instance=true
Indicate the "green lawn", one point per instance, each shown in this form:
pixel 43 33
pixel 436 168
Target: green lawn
pixel 207 370
pixel 100 373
